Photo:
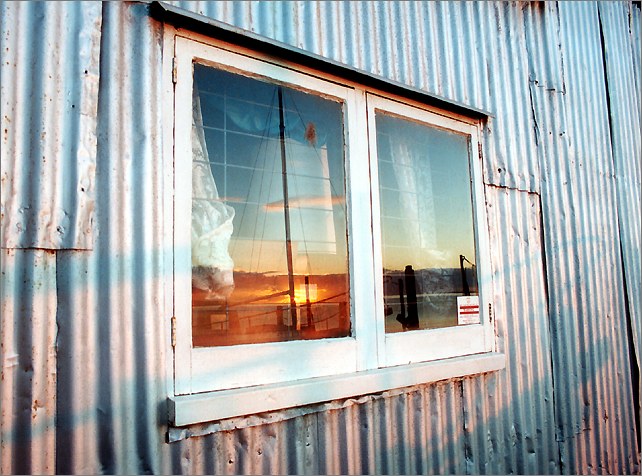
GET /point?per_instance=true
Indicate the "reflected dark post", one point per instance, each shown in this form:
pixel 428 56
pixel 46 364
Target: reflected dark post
pixel 401 317
pixel 308 305
pixel 344 317
pixel 387 308
pixel 466 289
pixel 412 322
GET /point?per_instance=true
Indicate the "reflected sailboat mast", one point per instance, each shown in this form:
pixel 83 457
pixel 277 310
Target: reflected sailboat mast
pixel 286 209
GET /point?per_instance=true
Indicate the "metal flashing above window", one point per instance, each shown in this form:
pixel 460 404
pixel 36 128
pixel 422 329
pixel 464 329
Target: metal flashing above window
pixel 194 22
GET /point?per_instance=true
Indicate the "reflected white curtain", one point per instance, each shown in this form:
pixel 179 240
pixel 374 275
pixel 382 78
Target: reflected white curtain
pixel 416 202
pixel 212 266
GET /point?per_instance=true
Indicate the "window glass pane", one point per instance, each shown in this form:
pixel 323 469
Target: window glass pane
pixel 269 251
pixel 429 272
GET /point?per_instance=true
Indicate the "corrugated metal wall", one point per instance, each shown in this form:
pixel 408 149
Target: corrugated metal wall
pixel 28 393
pixel 622 61
pixel 584 267
pixel 111 346
pixel 49 92
pixel 84 344
pixel 49 95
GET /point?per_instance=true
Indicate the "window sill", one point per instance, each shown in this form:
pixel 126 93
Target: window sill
pixel 211 406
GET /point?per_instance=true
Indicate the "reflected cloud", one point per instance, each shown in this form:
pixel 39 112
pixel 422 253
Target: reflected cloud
pixel 304 202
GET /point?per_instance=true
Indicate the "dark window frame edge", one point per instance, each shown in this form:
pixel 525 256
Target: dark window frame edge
pixel 181 18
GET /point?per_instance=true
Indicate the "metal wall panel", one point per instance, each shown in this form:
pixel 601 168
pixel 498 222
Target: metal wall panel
pixel 49 92
pixel 510 415
pixel 28 356
pixel 509 141
pixel 111 372
pixel 585 282
pixel 552 192
pixel 625 137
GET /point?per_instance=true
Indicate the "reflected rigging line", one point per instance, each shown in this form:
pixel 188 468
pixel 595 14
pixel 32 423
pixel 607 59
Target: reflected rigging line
pixel 286 210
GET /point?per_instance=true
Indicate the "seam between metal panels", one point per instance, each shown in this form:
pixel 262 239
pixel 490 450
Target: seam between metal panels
pixel 563 76
pixel 46 250
pixel 535 124
pixel 537 134
pixel 558 436
pixel 508 187
pixel 467 436
pixel 634 367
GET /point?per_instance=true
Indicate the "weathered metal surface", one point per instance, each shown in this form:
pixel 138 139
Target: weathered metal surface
pixel 49 99
pixel 28 356
pixel 510 415
pixel 624 116
pixel 584 270
pixel 111 373
pixel 555 188
pixel 542 30
pixel 510 160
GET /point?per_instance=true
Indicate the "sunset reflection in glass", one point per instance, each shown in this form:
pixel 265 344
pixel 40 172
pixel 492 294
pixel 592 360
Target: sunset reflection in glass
pixel 269 251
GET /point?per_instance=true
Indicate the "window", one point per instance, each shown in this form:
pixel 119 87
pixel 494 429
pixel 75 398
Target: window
pixel 430 248
pixel 262 287
pixel 321 232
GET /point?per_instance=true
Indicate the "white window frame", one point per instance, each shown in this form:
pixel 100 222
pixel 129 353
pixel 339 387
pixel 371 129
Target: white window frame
pixel 432 344
pixel 207 384
pixel 261 363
